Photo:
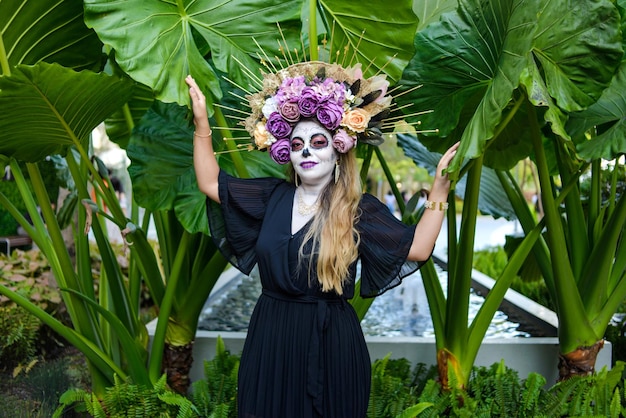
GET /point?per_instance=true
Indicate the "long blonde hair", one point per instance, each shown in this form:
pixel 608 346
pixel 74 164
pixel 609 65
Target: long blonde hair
pixel 333 231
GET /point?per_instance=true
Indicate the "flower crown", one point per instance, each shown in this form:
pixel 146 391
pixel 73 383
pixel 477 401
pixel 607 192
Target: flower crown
pixel 340 99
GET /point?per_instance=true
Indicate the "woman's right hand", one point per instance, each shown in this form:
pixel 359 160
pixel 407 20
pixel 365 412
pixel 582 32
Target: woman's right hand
pixel 204 162
pixel 198 102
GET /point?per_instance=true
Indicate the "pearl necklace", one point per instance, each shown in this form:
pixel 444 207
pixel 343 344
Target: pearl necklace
pixel 303 208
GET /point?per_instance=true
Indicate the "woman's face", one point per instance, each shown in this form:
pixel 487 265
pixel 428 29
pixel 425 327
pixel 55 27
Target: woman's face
pixel 312 154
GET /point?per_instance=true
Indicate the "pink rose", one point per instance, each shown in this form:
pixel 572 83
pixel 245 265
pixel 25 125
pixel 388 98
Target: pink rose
pixel 279 151
pixel 290 111
pixel 343 142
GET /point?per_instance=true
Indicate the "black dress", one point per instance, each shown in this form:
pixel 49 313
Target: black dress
pixel 304 355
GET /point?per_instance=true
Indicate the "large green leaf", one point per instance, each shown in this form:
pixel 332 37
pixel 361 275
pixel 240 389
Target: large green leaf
pixel 47 108
pixel 578 47
pixel 161 151
pixel 429 11
pixel 121 123
pixel 538 94
pixel 381 35
pixel 50 31
pixel 154 40
pixel 161 154
pixel 475 55
pixel 609 115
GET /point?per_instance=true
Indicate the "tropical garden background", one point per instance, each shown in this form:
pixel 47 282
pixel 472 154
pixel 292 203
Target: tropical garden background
pixel 532 89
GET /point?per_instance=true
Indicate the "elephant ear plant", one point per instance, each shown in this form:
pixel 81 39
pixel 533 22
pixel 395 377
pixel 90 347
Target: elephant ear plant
pixel 52 96
pixel 521 91
pixel 52 108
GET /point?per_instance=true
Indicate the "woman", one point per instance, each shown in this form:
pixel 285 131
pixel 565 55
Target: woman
pixel 305 354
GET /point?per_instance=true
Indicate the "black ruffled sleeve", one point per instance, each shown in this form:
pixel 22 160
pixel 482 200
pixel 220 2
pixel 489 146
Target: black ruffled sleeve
pixel 236 221
pixel 385 244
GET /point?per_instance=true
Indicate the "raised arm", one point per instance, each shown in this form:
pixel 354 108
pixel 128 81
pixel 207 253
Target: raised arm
pixel 204 161
pixel 429 226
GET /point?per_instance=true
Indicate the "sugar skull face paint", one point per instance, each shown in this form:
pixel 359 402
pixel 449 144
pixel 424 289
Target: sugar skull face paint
pixel 312 154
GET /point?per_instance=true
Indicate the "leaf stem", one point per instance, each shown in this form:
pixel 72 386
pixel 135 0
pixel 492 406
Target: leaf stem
pixel 313 30
pixel 4 60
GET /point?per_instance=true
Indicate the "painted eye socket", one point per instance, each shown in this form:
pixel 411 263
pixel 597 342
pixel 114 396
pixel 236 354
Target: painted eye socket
pixel 297 145
pixel 319 142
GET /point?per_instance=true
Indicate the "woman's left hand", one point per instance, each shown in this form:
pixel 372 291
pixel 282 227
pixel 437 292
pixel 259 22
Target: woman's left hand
pixel 441 184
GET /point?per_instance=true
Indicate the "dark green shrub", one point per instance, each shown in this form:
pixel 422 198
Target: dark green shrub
pixel 216 395
pixel 125 399
pixel 19 331
pixel 35 394
pixel 8 225
pixel 496 391
pixel 616 334
pixel 492 261
pixel 601 394
pixel 392 388
pixel 22 336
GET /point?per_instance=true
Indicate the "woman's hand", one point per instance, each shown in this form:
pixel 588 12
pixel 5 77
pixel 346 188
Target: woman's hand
pixel 429 226
pixel 441 183
pixel 204 162
pixel 198 105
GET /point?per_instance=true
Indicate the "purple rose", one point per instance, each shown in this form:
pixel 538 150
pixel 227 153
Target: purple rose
pixel 331 90
pixel 290 88
pixel 308 102
pixel 278 126
pixel 330 114
pixel 279 151
pixel 343 142
pixel 290 111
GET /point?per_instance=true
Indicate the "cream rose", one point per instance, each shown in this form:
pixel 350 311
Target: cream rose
pixel 356 120
pixel 262 138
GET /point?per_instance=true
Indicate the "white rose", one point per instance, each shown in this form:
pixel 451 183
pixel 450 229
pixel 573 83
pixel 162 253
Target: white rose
pixel 269 107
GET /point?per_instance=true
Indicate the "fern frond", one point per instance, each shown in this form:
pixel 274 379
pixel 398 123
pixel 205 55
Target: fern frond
pixel 217 392
pixel 71 397
pixel 531 395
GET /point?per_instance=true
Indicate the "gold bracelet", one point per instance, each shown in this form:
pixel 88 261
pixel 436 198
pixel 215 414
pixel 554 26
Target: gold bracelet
pixel 209 135
pixel 436 205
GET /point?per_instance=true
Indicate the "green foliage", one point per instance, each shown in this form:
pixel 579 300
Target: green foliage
pixel 8 225
pixel 125 399
pixel 395 387
pixel 492 262
pixel 18 336
pixel 616 334
pixel 22 335
pixel 35 394
pixel 215 396
pixel 606 183
pixel 601 394
pixel 28 273
pixel 495 391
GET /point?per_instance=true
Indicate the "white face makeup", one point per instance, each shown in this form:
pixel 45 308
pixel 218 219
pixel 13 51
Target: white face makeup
pixel 312 153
